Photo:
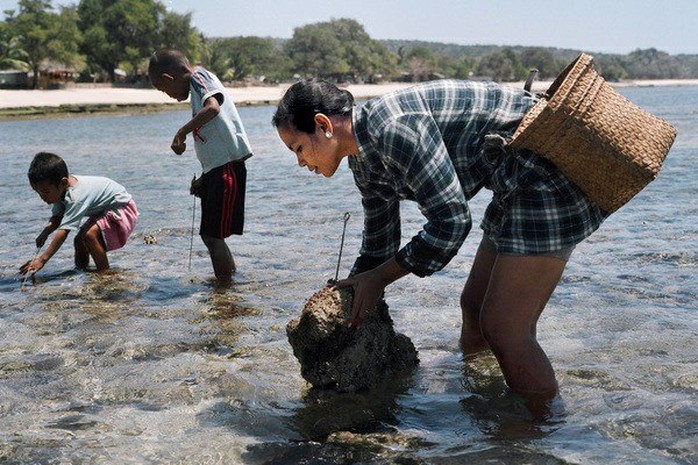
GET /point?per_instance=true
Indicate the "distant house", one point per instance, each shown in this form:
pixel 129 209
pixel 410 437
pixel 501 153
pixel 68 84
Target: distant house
pixel 56 78
pixel 55 75
pixel 14 79
pixel 120 75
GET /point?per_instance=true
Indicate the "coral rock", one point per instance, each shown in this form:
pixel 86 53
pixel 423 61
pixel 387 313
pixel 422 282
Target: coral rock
pixel 334 356
pixel 150 239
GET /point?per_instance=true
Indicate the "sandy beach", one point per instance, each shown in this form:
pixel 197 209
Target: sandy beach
pixel 97 98
pixel 100 95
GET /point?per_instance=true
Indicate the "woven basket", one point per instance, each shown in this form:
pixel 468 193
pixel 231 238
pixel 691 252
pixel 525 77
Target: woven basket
pixel 606 145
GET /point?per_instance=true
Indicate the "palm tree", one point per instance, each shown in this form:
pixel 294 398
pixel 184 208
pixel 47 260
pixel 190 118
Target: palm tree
pixel 12 56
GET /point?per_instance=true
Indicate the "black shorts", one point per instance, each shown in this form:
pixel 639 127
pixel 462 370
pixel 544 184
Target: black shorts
pixel 223 200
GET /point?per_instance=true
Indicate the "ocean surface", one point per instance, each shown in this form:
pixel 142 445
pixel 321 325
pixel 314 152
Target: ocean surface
pixel 151 364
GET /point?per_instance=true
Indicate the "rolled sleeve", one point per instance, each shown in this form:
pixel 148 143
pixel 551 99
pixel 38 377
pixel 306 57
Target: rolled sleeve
pixel 381 236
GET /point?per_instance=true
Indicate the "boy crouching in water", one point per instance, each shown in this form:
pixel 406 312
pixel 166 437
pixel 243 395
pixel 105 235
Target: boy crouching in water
pixel 221 146
pixel 109 211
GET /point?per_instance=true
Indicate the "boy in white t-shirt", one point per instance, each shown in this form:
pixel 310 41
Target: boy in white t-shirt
pixel 100 210
pixel 221 145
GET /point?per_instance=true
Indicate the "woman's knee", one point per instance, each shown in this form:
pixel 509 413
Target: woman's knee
pixel 500 332
pixel 473 294
pixel 470 303
pixel 475 288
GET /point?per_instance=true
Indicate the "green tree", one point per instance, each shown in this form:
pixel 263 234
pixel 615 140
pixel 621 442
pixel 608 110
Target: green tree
pixel 457 68
pixel 238 58
pixel 503 65
pixel 119 31
pixel 382 63
pixel 368 59
pixel 653 64
pixel 177 32
pixel 419 63
pixel 542 60
pixel 316 51
pixel 339 49
pixel 43 35
pixel 611 68
pixel 12 56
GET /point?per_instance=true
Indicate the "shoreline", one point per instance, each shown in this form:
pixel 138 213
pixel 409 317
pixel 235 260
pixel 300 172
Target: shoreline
pixel 86 100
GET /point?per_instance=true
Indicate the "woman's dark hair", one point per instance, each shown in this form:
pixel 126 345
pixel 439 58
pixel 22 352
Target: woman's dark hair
pixel 305 99
pixel 47 167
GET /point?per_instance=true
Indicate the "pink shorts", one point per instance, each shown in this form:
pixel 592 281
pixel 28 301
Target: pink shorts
pixel 117 225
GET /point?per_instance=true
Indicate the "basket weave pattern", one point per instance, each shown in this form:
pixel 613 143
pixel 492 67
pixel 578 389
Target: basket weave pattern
pixel 601 141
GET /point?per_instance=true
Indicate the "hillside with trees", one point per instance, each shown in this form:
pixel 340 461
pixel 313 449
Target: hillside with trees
pixel 111 40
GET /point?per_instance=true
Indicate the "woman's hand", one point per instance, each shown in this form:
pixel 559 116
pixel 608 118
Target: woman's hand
pixel 368 289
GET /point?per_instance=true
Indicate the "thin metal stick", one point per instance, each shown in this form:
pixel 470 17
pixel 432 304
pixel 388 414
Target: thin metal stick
pixel 341 246
pixel 26 276
pixel 191 239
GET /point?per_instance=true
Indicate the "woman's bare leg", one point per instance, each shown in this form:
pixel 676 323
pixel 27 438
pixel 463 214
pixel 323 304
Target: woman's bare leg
pixel 472 296
pixel 518 290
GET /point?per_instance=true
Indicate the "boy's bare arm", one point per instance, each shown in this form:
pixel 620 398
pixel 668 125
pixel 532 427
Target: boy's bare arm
pixel 210 110
pixel 38 263
pixel 52 225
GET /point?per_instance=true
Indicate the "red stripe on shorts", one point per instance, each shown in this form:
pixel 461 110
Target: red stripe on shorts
pixel 229 197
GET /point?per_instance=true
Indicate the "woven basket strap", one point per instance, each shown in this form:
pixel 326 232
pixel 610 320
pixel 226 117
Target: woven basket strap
pixel 532 73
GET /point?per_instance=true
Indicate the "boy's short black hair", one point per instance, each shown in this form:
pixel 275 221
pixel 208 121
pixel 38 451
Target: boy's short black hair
pixel 47 167
pixel 168 61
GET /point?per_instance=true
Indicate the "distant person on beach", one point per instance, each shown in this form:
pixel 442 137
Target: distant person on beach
pixel 99 210
pixel 221 146
pixel 438 144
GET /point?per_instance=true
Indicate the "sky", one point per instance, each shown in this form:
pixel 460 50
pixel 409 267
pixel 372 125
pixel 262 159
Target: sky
pixel 602 26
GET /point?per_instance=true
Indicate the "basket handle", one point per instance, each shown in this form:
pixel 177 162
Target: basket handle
pixel 572 72
pixel 532 73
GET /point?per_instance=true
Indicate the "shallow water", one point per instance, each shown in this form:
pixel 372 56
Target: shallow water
pixel 151 364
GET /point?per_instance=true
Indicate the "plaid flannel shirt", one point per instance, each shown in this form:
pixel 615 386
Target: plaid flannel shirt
pixel 424 144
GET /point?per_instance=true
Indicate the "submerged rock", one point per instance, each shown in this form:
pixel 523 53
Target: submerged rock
pixel 334 356
pixel 150 239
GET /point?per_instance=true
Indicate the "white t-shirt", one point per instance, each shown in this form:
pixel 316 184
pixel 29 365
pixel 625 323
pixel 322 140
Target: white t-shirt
pixel 90 196
pixel 223 139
